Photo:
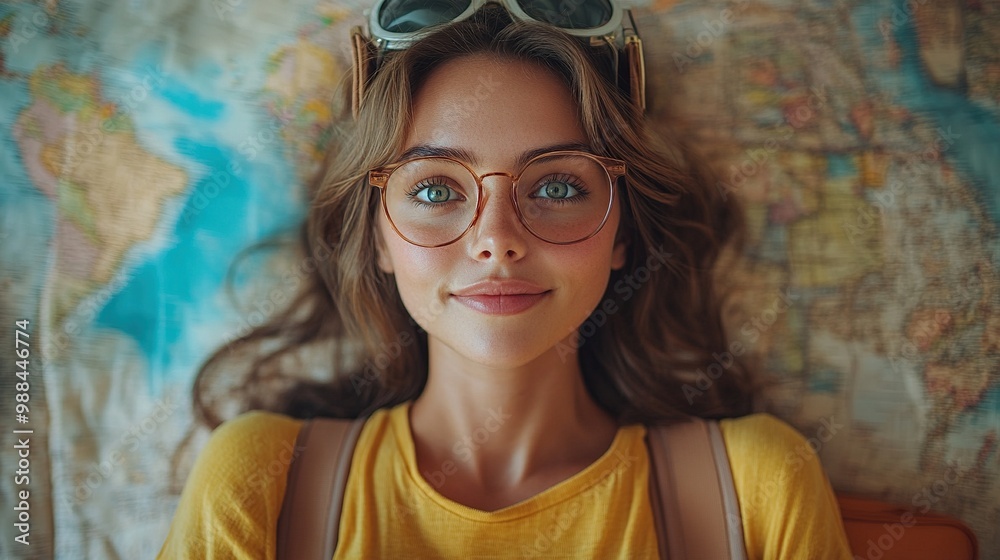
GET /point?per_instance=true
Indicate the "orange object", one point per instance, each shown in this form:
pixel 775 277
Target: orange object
pixel 880 530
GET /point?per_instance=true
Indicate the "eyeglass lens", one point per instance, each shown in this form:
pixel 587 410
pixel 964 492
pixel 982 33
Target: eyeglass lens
pixel 562 198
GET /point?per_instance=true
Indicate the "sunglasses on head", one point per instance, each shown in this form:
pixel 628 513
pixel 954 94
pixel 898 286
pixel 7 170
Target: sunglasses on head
pixel 397 24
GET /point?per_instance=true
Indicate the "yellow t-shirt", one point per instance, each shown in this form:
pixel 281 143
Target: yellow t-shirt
pixel 231 503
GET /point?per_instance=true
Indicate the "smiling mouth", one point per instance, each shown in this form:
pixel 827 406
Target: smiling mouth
pixel 501 304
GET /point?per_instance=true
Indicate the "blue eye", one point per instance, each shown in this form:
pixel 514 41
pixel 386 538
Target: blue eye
pixel 562 187
pixel 432 191
pixel 437 193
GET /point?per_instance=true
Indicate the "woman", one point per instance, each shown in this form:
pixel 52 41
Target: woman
pixel 507 342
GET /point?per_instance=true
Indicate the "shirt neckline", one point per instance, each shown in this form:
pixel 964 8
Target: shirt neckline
pixel 610 461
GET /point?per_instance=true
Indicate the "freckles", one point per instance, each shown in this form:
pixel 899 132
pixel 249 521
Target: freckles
pixel 593 253
pixel 419 269
pixel 405 256
pixel 423 261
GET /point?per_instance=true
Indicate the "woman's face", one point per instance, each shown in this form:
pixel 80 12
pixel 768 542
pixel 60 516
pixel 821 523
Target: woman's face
pixel 495 111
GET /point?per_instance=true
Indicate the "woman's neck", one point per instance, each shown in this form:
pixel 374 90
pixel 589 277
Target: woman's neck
pixel 508 432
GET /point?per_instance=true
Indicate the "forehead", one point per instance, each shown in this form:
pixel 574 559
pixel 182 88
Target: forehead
pixel 494 110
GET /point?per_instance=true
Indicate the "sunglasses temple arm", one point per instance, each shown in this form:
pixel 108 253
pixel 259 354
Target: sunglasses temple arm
pixel 636 64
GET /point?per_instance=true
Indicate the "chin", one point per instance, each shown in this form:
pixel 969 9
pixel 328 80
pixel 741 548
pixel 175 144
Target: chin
pixel 501 349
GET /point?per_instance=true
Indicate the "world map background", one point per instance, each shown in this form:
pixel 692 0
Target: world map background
pixel 143 145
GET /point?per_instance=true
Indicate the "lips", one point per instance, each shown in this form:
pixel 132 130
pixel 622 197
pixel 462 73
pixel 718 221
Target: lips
pixel 501 297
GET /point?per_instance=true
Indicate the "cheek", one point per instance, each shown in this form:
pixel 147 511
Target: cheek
pixel 383 235
pixel 396 256
pixel 595 255
pixel 587 267
pixel 418 273
pixel 589 270
pixel 413 263
pixel 410 284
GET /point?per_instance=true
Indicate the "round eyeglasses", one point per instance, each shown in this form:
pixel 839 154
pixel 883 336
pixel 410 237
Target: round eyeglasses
pixel 561 197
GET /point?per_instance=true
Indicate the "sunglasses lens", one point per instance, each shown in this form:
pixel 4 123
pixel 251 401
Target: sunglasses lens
pixel 407 16
pixel 569 14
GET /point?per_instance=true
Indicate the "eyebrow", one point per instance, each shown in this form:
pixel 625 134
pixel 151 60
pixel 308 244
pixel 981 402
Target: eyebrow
pixel 461 154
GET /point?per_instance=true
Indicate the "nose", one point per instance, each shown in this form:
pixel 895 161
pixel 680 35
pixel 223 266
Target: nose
pixel 498 234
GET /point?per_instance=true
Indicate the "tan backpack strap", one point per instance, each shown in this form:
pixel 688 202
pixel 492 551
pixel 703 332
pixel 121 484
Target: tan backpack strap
pixel 691 489
pixel 314 495
pixel 731 503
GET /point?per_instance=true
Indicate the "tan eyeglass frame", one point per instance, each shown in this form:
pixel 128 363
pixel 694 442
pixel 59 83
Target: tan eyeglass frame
pixel 614 168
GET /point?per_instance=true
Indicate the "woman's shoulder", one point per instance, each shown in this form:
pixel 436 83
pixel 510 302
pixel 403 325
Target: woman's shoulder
pixel 258 425
pixel 762 434
pixel 788 506
pixel 233 495
pixel 252 438
pixel 756 420
pixel 769 458
pixel 249 453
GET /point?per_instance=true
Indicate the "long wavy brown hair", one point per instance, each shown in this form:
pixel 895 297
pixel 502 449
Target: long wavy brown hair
pixel 348 315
